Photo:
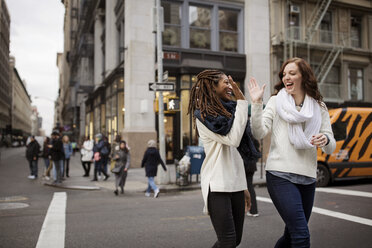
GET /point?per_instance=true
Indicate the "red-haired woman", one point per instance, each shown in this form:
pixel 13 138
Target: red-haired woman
pixel 221 124
pixel 299 123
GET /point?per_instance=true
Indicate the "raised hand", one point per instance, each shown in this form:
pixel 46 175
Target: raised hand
pixel 255 91
pixel 237 92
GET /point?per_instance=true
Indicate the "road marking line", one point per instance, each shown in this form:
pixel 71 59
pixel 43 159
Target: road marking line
pixel 345 192
pixel 52 233
pixel 334 214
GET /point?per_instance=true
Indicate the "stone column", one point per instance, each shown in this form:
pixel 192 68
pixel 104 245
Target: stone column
pixel 111 38
pixel 257 43
pixel 139 119
pixel 98 54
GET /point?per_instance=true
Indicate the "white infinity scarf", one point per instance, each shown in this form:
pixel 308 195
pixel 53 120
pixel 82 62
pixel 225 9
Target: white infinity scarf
pixel 309 113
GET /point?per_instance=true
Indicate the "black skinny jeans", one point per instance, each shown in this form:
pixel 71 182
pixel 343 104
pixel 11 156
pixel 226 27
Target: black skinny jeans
pixel 227 212
pixel 252 192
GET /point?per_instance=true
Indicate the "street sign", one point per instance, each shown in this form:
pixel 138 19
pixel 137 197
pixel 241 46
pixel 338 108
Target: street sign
pixel 161 87
pixel 165 76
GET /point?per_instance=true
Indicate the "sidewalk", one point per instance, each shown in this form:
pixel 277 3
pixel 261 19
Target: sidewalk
pixel 136 180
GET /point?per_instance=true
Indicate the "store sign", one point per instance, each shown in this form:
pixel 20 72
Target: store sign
pixel 171 55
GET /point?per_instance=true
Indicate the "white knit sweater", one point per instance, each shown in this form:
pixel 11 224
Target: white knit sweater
pixel 223 167
pixel 283 156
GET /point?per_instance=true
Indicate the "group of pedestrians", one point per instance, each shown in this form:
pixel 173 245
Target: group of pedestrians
pixel 55 152
pixel 299 123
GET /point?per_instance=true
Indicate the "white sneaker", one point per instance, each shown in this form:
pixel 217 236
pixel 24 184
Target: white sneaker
pixel 156 193
pixel 31 177
pixel 252 215
pixel 147 194
pixel 99 177
pixel 47 178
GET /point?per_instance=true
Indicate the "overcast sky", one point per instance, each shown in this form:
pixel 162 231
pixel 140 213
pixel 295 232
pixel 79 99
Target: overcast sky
pixel 36 35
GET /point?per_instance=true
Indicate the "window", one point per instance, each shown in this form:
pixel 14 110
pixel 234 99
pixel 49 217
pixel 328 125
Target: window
pixel 200 27
pixel 356 31
pixel 326 28
pixel 339 130
pixel 172 24
pixel 355 79
pixel 228 27
pixel 294 22
pixel 331 88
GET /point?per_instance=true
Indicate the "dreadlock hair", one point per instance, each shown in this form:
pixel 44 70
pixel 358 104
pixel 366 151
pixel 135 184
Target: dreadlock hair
pixel 203 96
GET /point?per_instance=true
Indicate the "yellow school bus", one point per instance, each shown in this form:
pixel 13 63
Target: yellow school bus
pixel 352 158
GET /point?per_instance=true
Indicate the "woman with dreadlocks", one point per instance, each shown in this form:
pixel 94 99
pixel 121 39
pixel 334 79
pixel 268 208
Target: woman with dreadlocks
pixel 221 123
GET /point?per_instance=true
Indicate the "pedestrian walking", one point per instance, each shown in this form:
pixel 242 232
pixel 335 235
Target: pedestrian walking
pixel 87 155
pixel 99 153
pixel 151 159
pixel 299 123
pixel 32 155
pixel 105 155
pixel 222 125
pixel 45 155
pixel 115 146
pixel 67 148
pixel 57 155
pixel 250 168
pixel 122 164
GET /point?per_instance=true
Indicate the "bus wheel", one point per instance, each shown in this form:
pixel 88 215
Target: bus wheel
pixel 322 176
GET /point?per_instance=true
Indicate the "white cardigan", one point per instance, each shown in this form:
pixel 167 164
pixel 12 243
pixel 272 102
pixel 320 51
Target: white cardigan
pixel 223 167
pixel 283 156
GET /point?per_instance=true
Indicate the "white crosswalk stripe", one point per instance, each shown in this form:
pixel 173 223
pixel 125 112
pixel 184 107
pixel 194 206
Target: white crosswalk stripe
pixel 334 214
pixel 52 233
pixel 345 192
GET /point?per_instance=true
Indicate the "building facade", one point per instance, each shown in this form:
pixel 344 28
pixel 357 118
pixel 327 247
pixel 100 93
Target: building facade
pixel 335 37
pixel 111 61
pixel 5 86
pixel 21 105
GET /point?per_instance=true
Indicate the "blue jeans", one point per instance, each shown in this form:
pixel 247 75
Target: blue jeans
pixel 33 167
pixel 294 203
pixel 151 185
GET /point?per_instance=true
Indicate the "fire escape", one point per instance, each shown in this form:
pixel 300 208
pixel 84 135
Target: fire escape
pixel 293 39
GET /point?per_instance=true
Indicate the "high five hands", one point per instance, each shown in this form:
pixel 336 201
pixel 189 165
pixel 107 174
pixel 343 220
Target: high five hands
pixel 255 91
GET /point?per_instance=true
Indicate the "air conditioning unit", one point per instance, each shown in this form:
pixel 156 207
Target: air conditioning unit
pixel 294 9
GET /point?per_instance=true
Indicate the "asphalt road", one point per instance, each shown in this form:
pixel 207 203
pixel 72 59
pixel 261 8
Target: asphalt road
pixel 99 219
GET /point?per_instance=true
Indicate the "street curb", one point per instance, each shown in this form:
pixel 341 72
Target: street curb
pixel 73 187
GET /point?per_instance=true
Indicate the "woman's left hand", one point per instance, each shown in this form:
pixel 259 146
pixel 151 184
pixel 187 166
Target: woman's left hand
pixel 247 198
pixel 319 140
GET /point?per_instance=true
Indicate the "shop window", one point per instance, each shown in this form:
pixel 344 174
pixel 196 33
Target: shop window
pixel 326 28
pixel 121 111
pixel 200 27
pixel 228 30
pixel 185 119
pixel 356 31
pixel 172 24
pixel 355 83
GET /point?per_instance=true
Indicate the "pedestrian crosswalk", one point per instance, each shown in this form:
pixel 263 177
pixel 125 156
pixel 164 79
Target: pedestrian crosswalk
pixel 335 214
pixel 52 232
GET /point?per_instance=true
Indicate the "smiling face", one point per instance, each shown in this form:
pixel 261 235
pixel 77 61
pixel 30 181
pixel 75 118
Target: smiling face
pixel 292 79
pixel 223 88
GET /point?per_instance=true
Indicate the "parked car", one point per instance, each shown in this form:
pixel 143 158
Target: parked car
pixel 352 158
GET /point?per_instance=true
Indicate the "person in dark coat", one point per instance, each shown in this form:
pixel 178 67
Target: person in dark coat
pixel 250 168
pixel 45 156
pixel 32 155
pixel 99 157
pixel 57 155
pixel 150 161
pixel 122 164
